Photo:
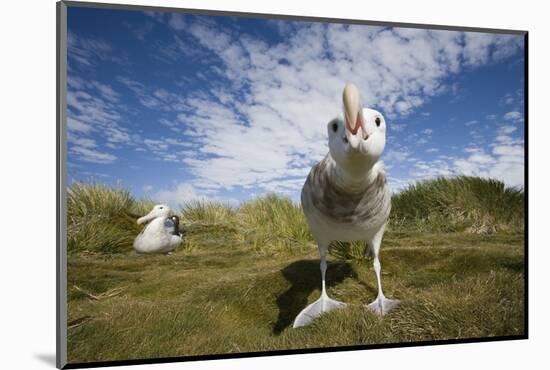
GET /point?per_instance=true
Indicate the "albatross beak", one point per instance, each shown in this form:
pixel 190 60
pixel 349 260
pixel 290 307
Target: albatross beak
pixel 146 218
pixel 352 108
pixel 354 117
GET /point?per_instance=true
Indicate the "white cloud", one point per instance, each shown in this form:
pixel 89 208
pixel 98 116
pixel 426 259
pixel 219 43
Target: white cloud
pixel 481 48
pixel 177 21
pixel 93 175
pixel 513 116
pixel 426 170
pixel 508 99
pixel 76 125
pixel 396 155
pixel 507 129
pixel 156 145
pixel 86 143
pixel 472 122
pixel 87 51
pixel 106 91
pixel 397 127
pixel 275 129
pixel 177 196
pixel 176 142
pixel 153 98
pixel 501 158
pixel 91 155
pixel 481 158
pixel 504 162
pixel 183 193
pixel 93 120
pixel 508 150
pixel 294 88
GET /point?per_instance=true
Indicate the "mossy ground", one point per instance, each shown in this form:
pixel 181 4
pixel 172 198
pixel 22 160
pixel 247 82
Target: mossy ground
pixel 219 293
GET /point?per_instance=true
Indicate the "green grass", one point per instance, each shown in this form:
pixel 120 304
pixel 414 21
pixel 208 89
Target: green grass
pixel 99 218
pixel 470 204
pixel 243 274
pixel 200 211
pixel 274 224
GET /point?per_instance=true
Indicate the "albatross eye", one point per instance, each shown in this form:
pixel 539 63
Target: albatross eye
pixel 335 127
pixel 377 121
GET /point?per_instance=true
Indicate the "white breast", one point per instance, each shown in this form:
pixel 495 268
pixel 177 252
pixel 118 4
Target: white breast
pixel 155 238
pixel 335 215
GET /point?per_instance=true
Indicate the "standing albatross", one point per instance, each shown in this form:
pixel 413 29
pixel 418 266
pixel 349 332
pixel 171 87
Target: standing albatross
pixel 346 196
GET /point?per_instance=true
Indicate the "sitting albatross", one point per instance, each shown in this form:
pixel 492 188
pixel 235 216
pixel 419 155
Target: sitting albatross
pixel 161 235
pixel 346 197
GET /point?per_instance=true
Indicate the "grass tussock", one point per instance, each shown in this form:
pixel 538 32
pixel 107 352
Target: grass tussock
pixel 348 250
pixel 100 218
pixel 85 200
pixel 459 204
pixel 275 222
pixel 208 212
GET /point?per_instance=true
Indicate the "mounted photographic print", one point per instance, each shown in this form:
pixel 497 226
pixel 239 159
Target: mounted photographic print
pixel 234 184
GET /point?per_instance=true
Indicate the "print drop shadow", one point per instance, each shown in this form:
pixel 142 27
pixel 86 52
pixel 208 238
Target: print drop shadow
pixel 305 277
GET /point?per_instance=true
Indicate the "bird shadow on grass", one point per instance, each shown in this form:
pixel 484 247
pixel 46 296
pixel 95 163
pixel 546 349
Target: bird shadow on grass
pixel 305 277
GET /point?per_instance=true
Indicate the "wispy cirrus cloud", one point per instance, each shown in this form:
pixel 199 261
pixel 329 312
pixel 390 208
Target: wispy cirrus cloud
pixel 91 155
pixel 276 99
pixel 88 51
pixel 217 107
pixel 93 114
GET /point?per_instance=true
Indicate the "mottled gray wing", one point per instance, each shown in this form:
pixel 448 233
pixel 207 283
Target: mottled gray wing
pixel 169 226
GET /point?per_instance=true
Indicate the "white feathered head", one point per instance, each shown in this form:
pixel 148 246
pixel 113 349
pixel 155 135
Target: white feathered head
pixel 160 210
pixel 358 136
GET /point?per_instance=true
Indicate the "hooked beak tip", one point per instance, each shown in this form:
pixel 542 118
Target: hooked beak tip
pixel 355 127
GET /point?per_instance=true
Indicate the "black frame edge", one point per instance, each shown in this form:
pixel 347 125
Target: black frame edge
pixel 290 352
pixel 526 177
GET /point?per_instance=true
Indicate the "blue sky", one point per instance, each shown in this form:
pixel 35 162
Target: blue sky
pixel 178 107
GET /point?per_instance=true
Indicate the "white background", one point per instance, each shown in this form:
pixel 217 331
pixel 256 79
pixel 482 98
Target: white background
pixel 27 210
